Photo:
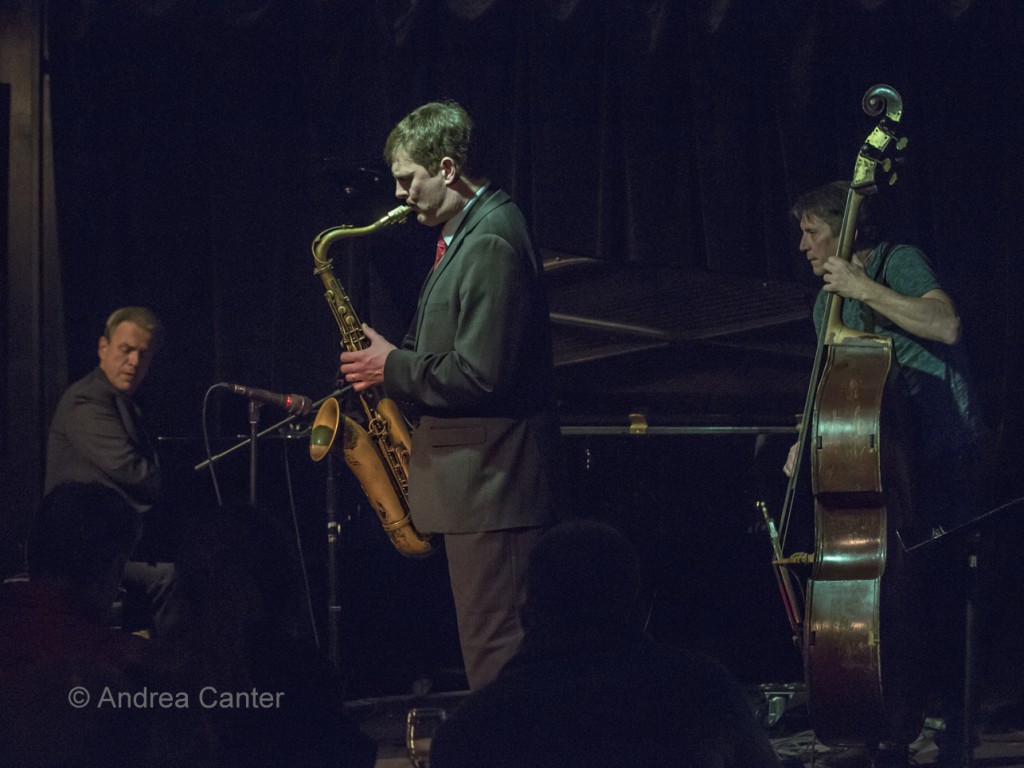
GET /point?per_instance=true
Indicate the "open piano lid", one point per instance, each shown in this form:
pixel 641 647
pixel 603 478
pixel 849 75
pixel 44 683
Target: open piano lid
pixel 681 346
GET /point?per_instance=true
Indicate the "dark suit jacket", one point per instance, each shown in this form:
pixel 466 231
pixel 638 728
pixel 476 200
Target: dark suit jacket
pixel 96 436
pixel 477 367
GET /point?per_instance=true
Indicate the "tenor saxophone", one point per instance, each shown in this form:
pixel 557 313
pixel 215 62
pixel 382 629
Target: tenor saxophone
pixel 378 454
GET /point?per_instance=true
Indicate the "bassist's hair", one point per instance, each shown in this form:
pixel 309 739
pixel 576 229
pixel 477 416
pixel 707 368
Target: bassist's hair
pixel 828 203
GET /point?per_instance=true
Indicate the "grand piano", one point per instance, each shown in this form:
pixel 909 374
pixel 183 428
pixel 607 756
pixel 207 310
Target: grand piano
pixel 678 392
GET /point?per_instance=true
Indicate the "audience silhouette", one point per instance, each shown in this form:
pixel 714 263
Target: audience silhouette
pixel 261 694
pixel 589 688
pixel 61 666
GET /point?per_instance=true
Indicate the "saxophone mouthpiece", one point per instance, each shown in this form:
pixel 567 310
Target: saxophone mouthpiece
pixel 394 216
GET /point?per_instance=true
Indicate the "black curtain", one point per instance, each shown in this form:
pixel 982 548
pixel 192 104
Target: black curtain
pixel 201 146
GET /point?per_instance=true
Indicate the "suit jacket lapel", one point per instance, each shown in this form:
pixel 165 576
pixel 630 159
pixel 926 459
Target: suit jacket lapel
pixel 490 199
pixel 132 420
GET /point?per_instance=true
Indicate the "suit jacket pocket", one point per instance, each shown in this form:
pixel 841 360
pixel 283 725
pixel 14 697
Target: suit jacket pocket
pixel 450 435
pixel 434 307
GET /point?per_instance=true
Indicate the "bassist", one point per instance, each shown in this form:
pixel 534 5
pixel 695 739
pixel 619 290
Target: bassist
pixel 892 290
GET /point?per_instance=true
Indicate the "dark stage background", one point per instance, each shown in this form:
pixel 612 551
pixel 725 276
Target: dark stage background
pixel 200 146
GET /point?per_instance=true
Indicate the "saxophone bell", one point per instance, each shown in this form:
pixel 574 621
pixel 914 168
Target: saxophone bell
pixel 324 429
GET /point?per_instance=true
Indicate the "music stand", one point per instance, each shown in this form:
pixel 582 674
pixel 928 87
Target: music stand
pixel 970 532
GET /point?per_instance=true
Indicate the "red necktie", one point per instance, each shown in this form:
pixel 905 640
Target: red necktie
pixel 442 246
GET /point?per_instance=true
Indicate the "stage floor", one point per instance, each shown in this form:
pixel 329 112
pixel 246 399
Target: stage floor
pixel 1001 727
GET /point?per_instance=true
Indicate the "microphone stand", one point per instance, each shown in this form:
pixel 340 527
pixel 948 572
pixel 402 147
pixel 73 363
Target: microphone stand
pixel 333 525
pixel 268 430
pixel 254 420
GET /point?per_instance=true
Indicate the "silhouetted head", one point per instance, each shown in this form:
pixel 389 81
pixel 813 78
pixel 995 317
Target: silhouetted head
pixel 583 579
pixel 80 538
pixel 237 564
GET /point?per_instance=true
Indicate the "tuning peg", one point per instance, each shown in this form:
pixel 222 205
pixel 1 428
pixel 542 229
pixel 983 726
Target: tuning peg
pixel 892 179
pixel 901 144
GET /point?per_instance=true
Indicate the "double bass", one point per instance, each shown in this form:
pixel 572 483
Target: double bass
pixel 857 631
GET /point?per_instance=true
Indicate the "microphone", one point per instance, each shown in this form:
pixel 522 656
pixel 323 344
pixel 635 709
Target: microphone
pixel 294 404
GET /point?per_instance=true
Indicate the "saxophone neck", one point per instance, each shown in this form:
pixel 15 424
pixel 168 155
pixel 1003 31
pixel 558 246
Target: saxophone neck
pixel 322 242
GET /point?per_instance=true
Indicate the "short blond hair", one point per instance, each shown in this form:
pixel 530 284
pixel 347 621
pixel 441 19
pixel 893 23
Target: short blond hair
pixel 143 317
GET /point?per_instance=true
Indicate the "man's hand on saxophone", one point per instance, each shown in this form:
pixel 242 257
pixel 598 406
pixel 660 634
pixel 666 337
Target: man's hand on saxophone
pixel 365 367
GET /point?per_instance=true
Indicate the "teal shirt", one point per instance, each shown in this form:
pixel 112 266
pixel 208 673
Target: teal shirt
pixel 934 375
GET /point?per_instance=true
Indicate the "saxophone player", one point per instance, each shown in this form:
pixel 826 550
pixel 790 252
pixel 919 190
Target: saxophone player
pixel 476 366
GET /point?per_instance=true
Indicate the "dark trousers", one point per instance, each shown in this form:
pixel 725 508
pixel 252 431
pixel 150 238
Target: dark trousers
pixel 487 574
pixel 148 591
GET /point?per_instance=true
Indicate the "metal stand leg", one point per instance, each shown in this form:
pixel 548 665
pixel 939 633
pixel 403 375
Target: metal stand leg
pixel 333 541
pixel 254 420
pixel 967 736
